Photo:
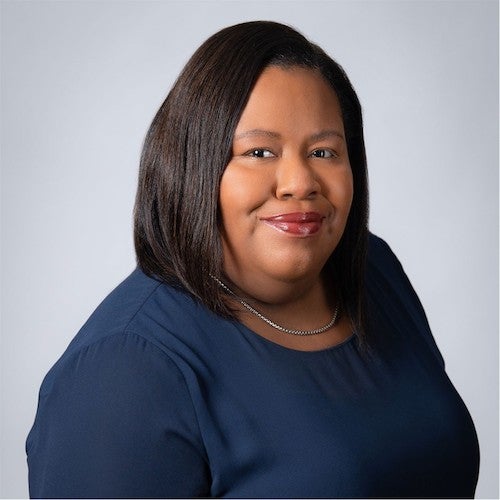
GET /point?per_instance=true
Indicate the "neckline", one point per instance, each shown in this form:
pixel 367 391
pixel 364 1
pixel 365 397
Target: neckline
pixel 248 332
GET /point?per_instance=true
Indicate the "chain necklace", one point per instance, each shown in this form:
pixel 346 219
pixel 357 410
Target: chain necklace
pixel 247 306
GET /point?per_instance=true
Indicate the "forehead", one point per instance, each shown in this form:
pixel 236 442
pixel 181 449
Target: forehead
pixel 291 98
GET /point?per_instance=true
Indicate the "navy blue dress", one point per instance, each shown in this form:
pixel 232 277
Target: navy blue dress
pixel 158 397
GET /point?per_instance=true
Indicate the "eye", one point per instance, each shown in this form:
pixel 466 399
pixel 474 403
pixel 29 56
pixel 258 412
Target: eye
pixel 260 153
pixel 323 153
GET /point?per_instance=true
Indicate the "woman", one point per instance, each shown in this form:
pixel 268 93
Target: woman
pixel 267 345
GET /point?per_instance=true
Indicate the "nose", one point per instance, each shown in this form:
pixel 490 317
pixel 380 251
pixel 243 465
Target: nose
pixel 295 178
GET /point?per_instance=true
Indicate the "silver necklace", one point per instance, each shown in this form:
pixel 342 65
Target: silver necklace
pixel 246 305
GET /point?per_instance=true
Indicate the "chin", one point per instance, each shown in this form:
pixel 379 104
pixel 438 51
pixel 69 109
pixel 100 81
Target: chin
pixel 293 271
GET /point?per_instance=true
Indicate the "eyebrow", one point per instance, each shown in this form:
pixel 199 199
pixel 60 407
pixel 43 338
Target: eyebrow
pixel 325 134
pixel 256 132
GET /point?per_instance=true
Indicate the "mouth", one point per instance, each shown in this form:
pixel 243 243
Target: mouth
pixel 296 223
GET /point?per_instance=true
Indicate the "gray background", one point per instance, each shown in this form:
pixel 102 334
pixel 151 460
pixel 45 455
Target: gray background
pixel 80 84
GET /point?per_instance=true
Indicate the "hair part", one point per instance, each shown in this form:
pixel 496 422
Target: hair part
pixel 186 150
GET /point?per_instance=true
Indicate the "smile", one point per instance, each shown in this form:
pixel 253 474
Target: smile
pixel 297 223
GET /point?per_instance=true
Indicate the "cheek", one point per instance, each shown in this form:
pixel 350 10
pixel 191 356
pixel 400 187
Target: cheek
pixel 241 193
pixel 340 190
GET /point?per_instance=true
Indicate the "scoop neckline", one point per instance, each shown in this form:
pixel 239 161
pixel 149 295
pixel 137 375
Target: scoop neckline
pixel 249 332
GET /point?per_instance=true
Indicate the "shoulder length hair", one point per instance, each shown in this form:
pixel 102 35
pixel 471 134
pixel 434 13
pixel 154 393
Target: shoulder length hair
pixel 189 144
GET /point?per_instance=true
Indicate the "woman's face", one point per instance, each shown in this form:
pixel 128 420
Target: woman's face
pixel 286 193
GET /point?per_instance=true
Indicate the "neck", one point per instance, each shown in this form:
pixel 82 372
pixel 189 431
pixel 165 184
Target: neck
pixel 307 311
pixel 297 307
pixel 276 326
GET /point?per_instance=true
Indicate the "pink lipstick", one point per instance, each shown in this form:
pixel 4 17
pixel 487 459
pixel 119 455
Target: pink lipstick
pixel 296 223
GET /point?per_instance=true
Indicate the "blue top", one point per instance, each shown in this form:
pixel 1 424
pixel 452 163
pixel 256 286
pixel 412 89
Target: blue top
pixel 158 397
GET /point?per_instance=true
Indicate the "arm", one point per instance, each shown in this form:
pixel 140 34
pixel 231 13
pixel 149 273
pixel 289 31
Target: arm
pixel 115 419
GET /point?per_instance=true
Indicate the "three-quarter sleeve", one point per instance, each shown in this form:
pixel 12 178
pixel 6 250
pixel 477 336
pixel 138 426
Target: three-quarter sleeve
pixel 115 419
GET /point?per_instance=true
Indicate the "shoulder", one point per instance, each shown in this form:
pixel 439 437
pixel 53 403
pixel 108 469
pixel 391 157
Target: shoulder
pixel 380 255
pixel 120 395
pixel 140 306
pixel 393 302
pixel 144 328
pixel 384 269
pixel 124 341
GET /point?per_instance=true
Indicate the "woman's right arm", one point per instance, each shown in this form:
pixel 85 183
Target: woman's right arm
pixel 115 419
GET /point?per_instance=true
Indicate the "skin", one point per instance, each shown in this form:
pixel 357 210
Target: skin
pixel 289 157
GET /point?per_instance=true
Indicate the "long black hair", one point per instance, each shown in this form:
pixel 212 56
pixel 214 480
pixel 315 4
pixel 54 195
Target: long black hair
pixel 189 144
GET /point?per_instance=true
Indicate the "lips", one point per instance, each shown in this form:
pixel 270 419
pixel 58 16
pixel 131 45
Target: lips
pixel 296 223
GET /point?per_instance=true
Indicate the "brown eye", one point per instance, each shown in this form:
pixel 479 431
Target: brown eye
pixel 323 153
pixel 260 153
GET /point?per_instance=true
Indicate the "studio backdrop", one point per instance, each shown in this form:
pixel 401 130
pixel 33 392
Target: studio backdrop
pixel 81 81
